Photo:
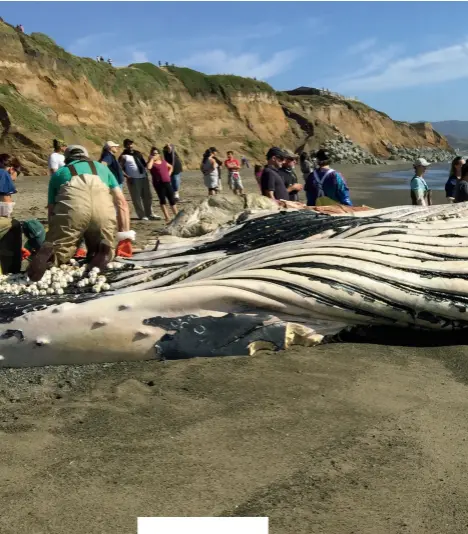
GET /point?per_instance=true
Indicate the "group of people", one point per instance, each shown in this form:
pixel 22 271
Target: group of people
pixel 211 167
pixel 87 209
pixel 132 168
pixel 326 186
pixel 323 185
pixel 456 187
pixel 100 59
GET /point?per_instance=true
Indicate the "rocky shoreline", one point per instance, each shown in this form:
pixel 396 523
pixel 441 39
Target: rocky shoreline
pixel 344 150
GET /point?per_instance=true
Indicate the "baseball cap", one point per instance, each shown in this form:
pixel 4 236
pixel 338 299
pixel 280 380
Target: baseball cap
pixel 75 151
pixel 421 162
pixel 290 155
pixel 127 142
pixel 111 144
pixel 275 152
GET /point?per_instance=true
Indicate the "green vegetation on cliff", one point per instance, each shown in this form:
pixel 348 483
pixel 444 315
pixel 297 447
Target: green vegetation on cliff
pixel 26 114
pixel 198 83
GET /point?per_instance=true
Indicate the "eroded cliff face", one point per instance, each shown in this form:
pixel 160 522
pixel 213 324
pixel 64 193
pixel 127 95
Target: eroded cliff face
pixel 367 127
pixel 46 93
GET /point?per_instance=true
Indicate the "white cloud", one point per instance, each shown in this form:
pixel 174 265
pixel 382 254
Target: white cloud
pixel 82 45
pixel 315 25
pixel 139 57
pixel 362 46
pixel 373 61
pixel 246 64
pixel 441 65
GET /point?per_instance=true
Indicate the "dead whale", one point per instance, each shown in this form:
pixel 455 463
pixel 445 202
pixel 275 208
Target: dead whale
pixel 290 277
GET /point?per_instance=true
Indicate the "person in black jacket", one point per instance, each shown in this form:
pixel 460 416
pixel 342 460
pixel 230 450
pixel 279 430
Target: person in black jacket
pixel 461 188
pixel 454 177
pixel 171 157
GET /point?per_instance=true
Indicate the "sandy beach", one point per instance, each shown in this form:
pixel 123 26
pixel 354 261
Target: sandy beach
pixel 337 439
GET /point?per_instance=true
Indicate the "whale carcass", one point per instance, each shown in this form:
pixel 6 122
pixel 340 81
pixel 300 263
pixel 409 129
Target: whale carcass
pixel 274 280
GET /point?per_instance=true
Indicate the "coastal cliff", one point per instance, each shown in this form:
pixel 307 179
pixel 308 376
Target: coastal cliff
pixel 47 93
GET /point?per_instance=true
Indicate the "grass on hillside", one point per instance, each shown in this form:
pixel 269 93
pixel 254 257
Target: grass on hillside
pixel 27 113
pixel 198 83
pixel 139 80
pixel 324 101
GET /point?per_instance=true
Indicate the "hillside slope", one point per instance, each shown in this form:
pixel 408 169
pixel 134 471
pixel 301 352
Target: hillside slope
pixel 47 93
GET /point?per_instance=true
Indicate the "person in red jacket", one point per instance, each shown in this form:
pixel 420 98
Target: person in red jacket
pixel 234 178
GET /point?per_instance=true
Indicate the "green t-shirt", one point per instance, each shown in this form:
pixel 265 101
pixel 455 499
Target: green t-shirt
pixel 63 175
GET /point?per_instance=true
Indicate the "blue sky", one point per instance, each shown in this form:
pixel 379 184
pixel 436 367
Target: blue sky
pixel 408 59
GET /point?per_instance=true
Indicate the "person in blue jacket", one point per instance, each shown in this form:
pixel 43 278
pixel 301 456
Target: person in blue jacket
pixel 324 186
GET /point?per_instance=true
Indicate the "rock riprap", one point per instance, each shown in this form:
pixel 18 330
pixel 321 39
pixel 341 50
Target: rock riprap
pixel 433 155
pixel 344 150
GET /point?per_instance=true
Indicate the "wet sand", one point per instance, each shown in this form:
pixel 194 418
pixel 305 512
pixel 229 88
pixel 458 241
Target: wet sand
pixel 338 439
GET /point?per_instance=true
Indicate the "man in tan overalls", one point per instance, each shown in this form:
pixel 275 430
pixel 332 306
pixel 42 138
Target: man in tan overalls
pixel 84 202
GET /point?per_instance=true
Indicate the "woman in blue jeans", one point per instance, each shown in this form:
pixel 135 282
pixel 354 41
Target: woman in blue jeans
pixel 171 156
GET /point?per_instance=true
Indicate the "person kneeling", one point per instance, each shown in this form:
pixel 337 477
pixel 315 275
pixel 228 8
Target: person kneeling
pixel 84 201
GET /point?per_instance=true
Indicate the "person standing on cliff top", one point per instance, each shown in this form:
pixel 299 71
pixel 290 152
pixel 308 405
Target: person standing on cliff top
pixel 172 158
pixel 325 186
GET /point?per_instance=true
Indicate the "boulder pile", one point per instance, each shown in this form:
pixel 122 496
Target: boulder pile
pixel 433 155
pixel 344 150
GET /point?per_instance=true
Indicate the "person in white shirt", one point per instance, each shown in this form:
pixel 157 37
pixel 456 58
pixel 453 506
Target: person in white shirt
pixel 57 159
pixel 134 166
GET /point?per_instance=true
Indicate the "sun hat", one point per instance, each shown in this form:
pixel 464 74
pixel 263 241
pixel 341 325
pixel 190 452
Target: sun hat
pixel 110 144
pixel 421 162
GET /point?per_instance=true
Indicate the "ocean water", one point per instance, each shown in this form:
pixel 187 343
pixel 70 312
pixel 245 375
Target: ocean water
pixel 435 176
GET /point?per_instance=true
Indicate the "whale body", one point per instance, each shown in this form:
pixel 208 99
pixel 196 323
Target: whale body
pixel 270 281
